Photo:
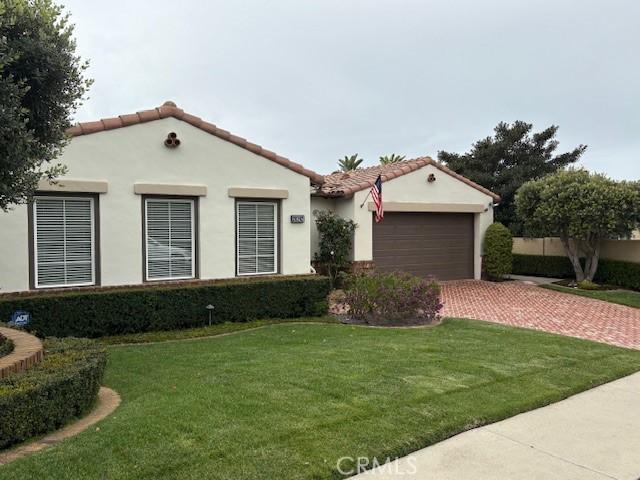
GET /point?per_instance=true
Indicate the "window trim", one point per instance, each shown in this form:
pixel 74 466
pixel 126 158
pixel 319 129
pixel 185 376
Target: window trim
pixel 95 239
pixel 195 233
pixel 276 246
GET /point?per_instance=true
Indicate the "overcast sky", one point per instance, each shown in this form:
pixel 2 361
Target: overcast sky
pixel 315 80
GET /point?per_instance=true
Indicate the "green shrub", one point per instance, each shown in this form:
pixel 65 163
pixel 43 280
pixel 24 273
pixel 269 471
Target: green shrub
pixel 621 274
pixel 47 396
pixel 542 266
pixel 588 285
pixel 335 239
pixel 6 345
pixel 610 272
pixel 133 310
pixel 497 256
pixel 392 298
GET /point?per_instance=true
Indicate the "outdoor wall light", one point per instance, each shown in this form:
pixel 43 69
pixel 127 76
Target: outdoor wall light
pixel 172 140
pixel 210 308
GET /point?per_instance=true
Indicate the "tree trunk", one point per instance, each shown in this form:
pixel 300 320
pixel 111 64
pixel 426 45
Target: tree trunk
pixel 593 257
pixel 573 252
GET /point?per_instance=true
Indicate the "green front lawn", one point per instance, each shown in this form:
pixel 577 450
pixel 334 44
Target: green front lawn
pixel 623 297
pixel 288 401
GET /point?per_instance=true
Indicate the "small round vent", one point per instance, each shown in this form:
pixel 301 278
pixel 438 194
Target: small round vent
pixel 172 140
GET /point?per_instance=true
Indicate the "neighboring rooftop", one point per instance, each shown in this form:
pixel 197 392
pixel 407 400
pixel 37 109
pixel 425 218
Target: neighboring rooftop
pixel 342 184
pixel 169 109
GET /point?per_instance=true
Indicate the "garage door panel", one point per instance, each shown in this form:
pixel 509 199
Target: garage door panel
pixel 415 253
pixel 438 244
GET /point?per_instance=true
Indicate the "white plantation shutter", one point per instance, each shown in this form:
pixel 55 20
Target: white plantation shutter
pixel 170 239
pixel 64 241
pixel 257 238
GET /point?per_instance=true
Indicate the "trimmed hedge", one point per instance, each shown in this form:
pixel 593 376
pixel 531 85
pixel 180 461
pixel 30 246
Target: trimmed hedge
pixel 616 272
pixel 50 394
pixel 610 272
pixel 134 310
pixel 6 346
pixel 497 256
pixel 542 266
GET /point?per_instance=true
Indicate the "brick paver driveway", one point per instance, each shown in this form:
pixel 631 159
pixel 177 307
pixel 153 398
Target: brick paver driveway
pixel 523 305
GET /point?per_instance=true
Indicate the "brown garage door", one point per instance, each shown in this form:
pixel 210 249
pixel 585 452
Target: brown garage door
pixel 438 244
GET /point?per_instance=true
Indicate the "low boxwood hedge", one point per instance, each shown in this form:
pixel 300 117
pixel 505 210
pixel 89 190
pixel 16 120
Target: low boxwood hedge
pixel 120 311
pixel 50 394
pixel 610 272
pixel 6 346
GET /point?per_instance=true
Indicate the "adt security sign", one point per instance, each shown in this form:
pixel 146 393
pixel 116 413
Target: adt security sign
pixel 20 318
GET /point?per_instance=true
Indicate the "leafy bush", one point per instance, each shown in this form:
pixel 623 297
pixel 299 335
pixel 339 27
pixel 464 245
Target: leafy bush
pixel 610 272
pixel 6 345
pixel 336 238
pixel 497 259
pixel 588 285
pixel 50 394
pixel 133 310
pixel 392 298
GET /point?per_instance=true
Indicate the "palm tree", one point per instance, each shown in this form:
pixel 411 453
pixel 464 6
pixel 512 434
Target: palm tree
pixel 393 158
pixel 349 162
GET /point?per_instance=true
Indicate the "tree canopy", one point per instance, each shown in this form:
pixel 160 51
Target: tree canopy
pixel 509 158
pixel 350 162
pixel 581 208
pixel 41 84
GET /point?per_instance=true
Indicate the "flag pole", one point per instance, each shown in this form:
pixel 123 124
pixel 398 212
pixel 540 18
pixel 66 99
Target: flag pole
pixel 365 199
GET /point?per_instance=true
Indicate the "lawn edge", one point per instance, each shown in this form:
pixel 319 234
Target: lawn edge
pixel 586 293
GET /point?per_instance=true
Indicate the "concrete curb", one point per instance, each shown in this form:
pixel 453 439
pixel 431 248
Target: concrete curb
pixel 27 351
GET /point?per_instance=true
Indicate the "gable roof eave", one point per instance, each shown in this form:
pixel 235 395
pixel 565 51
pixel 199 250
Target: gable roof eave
pixel 345 184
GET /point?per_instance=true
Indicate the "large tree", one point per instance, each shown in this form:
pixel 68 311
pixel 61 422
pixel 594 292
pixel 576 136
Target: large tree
pixel 41 84
pixel 509 158
pixel 582 209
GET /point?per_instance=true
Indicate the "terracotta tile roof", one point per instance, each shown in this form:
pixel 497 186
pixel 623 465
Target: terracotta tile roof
pixel 169 109
pixel 341 184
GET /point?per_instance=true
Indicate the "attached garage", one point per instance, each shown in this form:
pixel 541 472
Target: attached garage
pixel 438 244
pixel 434 219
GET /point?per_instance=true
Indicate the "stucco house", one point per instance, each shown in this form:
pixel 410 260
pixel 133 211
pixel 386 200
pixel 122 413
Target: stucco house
pixel 161 195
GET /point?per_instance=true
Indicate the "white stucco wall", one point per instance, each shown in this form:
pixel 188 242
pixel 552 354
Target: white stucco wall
pixel 136 154
pixel 414 188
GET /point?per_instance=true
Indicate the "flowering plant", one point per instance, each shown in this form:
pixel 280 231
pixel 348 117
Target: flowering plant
pixel 392 298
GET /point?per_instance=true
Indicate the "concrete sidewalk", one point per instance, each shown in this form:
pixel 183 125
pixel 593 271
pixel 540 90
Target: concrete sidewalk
pixel 592 435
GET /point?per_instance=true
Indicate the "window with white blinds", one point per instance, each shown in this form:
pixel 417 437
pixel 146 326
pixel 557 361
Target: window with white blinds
pixel 169 239
pixel 257 238
pixel 64 241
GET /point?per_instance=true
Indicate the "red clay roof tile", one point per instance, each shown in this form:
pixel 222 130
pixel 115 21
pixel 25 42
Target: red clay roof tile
pixel 342 184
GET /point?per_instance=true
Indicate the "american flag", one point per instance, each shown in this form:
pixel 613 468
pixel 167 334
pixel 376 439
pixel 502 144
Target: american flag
pixel 376 194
